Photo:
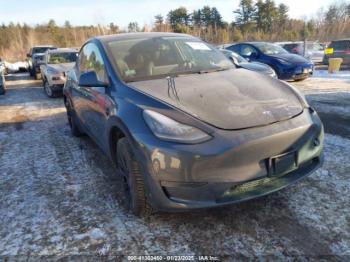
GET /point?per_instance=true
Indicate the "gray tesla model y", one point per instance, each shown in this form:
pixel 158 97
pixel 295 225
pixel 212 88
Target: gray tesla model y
pixel 186 128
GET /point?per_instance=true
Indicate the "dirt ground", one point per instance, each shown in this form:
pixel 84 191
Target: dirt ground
pixel 59 195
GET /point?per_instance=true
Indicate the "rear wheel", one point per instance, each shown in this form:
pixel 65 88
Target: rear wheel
pixel 134 186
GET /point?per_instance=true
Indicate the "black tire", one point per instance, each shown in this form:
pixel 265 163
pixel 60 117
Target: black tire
pixel 134 186
pixel 48 90
pixel 75 130
pixel 301 79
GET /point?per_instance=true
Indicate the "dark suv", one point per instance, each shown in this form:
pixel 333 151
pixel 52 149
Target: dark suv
pixel 185 127
pixel 341 49
pixel 314 51
pixel 36 58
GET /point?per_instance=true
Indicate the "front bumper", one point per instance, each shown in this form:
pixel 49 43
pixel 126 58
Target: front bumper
pixel 231 167
pixel 296 73
pixel 57 87
pixel 56 81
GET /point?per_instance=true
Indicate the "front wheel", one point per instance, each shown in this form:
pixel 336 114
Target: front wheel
pixel 75 130
pixel 48 90
pixel 134 186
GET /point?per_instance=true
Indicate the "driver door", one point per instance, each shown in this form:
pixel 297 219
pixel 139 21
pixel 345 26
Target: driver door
pixel 94 101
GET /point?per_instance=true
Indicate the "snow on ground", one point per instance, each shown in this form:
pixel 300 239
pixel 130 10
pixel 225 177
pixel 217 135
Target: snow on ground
pixel 16 67
pixel 59 195
pixel 335 75
pixel 325 84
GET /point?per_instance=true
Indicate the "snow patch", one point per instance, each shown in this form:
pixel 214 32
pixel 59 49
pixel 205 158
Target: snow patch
pixel 336 75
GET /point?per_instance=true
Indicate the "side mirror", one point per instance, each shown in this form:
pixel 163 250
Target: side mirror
pixel 89 79
pixel 234 61
pixel 28 55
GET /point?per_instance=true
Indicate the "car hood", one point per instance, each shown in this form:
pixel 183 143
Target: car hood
pixel 292 58
pixel 231 99
pixel 256 66
pixel 62 67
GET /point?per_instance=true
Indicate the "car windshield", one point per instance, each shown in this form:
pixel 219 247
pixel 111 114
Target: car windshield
pixel 37 50
pixel 149 58
pixel 270 49
pixel 60 58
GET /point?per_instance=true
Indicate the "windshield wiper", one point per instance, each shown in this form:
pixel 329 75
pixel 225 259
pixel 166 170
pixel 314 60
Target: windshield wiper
pixel 176 74
pixel 206 71
pixel 203 71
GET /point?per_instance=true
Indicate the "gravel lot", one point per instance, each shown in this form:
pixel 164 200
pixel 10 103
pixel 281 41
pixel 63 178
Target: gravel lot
pixel 59 195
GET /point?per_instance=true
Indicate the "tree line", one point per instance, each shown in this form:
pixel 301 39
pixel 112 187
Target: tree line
pixel 252 20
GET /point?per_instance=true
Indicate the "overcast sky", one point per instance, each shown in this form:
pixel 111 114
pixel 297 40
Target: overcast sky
pixel 121 12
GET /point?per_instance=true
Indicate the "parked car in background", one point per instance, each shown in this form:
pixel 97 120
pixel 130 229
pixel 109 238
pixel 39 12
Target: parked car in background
pixel 286 65
pixel 17 67
pixel 2 78
pixel 2 66
pixel 36 58
pixel 185 128
pixel 339 49
pixel 240 62
pixel 314 50
pixel 53 70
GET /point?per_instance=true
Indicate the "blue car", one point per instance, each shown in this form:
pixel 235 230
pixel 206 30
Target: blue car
pixel 287 66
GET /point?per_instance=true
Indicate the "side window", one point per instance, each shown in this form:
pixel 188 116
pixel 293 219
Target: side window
pixel 340 45
pixel 247 50
pixel 90 59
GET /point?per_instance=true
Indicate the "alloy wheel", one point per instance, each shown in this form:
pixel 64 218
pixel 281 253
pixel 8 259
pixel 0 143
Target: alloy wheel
pixel 48 90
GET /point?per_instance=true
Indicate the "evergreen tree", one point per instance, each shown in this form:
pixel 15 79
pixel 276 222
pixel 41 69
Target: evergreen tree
pixel 245 15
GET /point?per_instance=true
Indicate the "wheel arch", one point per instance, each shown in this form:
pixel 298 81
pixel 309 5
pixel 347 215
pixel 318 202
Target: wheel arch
pixel 116 131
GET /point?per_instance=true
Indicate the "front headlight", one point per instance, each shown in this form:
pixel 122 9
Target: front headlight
pixel 301 97
pixel 168 129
